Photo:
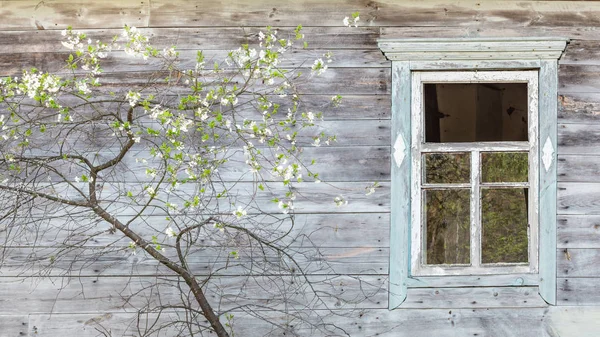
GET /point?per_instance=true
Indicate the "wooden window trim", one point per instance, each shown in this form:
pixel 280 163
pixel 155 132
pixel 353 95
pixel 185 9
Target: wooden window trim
pixel 409 55
pixel 418 147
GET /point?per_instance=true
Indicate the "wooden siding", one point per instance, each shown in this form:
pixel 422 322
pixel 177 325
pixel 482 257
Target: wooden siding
pixel 355 240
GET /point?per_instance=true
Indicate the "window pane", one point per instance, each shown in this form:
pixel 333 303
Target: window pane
pixel 475 112
pixel 446 168
pixel 504 167
pixel 448 225
pixel 504 225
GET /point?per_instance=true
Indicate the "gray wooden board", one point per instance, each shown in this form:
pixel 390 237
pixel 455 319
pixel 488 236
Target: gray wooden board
pixel 343 81
pixel 35 15
pixel 579 32
pixel 578 231
pixel 311 198
pixel 525 322
pixel 578 198
pixel 333 164
pixel 14 325
pixel 578 168
pixel 579 139
pixel 113 294
pixel 578 79
pixel 351 107
pixel 578 291
pixel 184 38
pixel 473 297
pixel 576 262
pixel 119 61
pixel 57 15
pixel 330 13
pixel 351 230
pixel 202 262
pixel 579 108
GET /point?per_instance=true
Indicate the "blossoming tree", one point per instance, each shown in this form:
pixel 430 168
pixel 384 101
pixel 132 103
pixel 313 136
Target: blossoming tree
pixel 198 163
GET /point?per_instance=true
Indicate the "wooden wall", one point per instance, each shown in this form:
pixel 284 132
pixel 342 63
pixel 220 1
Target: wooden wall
pixel 354 239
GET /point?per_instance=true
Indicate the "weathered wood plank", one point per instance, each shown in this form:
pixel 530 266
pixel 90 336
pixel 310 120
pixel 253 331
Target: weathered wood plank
pixel 352 230
pixel 578 168
pixel 579 108
pixel 578 79
pixel 573 262
pixel 14 326
pixel 580 231
pixel 573 321
pixel 334 164
pixel 471 29
pixel 344 81
pixel 184 38
pixel 578 291
pixel 201 262
pixel 400 221
pixel 40 15
pixel 454 298
pixel 108 294
pixel 381 13
pixel 120 61
pixel 525 322
pixel 548 107
pixel 580 139
pixel 578 198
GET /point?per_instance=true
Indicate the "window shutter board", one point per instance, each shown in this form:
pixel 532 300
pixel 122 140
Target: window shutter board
pixel 400 218
pixel 548 100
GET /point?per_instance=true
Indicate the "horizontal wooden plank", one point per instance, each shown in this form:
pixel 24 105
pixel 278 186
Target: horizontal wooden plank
pixel 578 168
pixel 574 262
pixel 578 139
pixel 21 262
pixel 579 108
pixel 57 15
pixel 332 163
pixel 36 15
pixel 318 13
pixel 453 298
pixel 352 230
pixel 578 231
pixel 14 325
pixel 572 321
pixel 14 63
pixel 184 38
pixel 114 294
pixel 524 322
pixel 578 79
pixel 343 81
pixel 578 291
pixel 473 29
pixel 578 198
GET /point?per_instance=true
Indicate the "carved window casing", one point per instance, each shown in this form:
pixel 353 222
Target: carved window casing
pixel 489 172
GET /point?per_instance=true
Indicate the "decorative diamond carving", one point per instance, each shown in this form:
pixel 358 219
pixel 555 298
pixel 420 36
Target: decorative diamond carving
pixel 399 151
pixel 548 154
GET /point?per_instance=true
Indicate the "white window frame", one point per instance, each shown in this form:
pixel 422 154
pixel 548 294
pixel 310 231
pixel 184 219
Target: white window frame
pixel 419 147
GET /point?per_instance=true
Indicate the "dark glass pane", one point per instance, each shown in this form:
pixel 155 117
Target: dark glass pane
pixel 475 112
pixel 448 225
pixel 443 168
pixel 504 225
pixel 504 167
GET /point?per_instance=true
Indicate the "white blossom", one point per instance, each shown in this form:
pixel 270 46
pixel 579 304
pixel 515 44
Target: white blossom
pixel 170 232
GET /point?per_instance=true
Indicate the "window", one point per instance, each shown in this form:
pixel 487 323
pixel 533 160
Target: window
pixel 474 191
pixel 474 163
